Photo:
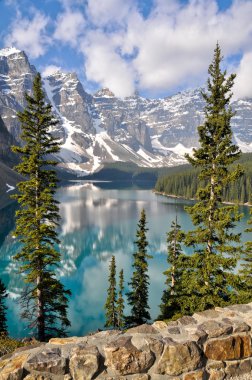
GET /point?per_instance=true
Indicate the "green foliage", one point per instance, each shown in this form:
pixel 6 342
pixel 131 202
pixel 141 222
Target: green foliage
pixel 44 300
pixel 186 182
pixel 128 171
pixel 120 302
pixel 110 305
pixel 138 295
pixel 3 321
pixel 174 299
pixel 8 345
pixel 212 280
pixel 245 272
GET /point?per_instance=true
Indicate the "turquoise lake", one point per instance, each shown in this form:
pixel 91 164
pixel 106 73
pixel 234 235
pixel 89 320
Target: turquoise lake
pixel 98 220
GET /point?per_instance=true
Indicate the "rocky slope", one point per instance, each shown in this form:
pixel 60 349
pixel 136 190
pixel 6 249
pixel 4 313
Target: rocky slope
pixel 100 128
pixel 213 345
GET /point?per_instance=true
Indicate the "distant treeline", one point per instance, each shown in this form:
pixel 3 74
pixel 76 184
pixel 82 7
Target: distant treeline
pixel 186 182
pixel 128 171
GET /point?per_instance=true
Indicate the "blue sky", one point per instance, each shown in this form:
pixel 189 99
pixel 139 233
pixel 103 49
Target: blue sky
pixel 157 47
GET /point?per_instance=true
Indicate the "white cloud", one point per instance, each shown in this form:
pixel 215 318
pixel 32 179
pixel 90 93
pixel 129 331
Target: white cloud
pixel 49 70
pixel 176 48
pixel 69 26
pixel 104 12
pixel 105 66
pixel 242 87
pixel 29 34
pixel 172 47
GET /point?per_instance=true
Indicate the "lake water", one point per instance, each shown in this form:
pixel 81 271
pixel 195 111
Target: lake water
pixel 97 221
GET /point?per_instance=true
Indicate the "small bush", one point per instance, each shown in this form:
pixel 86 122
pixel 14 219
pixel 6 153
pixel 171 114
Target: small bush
pixel 8 345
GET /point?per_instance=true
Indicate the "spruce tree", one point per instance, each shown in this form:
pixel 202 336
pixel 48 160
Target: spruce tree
pixel 212 280
pixel 44 300
pixel 120 302
pixel 3 320
pixel 110 305
pixel 174 299
pixel 139 293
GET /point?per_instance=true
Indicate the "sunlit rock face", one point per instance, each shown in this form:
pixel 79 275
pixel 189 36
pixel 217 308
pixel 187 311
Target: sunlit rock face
pixel 214 344
pixel 101 128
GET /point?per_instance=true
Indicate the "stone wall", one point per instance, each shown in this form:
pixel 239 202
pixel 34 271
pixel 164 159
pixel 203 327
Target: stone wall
pixel 214 345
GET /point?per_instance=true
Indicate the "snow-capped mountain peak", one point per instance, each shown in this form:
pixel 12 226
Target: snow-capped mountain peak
pixel 6 52
pixel 100 128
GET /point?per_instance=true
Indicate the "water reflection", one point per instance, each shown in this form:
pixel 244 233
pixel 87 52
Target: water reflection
pixel 96 223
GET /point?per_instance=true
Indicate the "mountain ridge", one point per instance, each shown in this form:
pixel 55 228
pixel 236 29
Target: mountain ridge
pixel 100 128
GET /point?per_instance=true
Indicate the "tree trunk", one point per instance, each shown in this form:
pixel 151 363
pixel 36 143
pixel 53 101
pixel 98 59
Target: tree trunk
pixel 40 315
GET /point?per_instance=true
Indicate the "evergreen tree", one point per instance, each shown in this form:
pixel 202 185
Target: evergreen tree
pixel 138 296
pixel 3 320
pixel 44 300
pixel 174 299
pixel 110 305
pixel 245 272
pixel 120 302
pixel 215 256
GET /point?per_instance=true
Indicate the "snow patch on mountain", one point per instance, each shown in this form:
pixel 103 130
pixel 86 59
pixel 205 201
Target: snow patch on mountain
pixel 9 51
pixel 245 148
pixel 70 152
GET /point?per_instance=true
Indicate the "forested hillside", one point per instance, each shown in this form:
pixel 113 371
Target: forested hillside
pixel 186 182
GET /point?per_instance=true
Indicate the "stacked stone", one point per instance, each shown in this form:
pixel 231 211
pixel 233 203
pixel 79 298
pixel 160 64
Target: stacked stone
pixel 211 345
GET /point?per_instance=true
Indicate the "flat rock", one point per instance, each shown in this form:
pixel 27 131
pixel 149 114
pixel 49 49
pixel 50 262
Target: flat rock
pixel 208 314
pixel 244 309
pixel 143 329
pixel 215 329
pixel 159 325
pixel 13 369
pixel 231 348
pixel 241 327
pixel 174 330
pixel 84 362
pixel 238 367
pixel 47 360
pixel 217 375
pixel 186 320
pixel 124 358
pixel 33 376
pixel 62 341
pixel 198 375
pixel 178 358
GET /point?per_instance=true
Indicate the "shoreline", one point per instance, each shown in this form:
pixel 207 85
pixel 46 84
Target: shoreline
pixel 194 199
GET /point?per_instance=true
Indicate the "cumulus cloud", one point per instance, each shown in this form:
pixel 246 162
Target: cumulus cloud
pixel 170 48
pixel 29 34
pixel 242 87
pixel 49 70
pixel 104 12
pixel 69 26
pixel 175 47
pixel 104 66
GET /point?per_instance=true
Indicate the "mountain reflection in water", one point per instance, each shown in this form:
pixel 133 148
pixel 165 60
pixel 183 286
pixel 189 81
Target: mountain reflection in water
pixel 96 223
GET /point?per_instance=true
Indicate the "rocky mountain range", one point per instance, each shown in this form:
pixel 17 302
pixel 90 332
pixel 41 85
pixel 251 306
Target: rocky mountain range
pixel 99 128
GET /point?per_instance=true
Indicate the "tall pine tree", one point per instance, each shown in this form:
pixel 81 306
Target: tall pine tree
pixel 215 255
pixel 110 305
pixel 3 309
pixel 174 299
pixel 139 284
pixel 120 302
pixel 44 300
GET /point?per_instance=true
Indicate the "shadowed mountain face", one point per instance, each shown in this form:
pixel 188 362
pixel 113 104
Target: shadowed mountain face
pixel 6 140
pixel 101 128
